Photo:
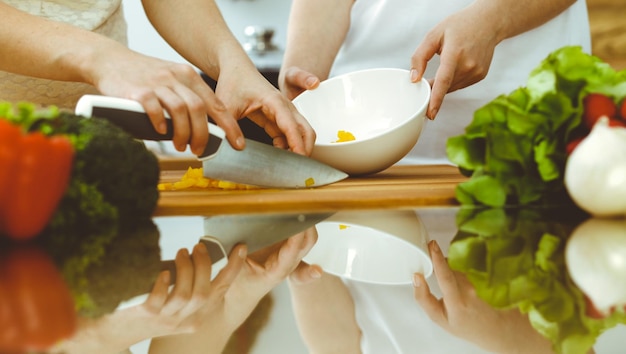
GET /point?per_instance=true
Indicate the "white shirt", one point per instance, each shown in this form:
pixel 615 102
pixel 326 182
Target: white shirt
pixel 385 33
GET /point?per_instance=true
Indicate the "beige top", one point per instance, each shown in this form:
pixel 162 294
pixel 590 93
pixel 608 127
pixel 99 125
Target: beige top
pixel 101 16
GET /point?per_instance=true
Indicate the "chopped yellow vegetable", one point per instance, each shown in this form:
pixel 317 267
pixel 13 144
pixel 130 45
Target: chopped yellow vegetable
pixel 194 179
pixel 343 136
pixel 309 182
pixel 343 227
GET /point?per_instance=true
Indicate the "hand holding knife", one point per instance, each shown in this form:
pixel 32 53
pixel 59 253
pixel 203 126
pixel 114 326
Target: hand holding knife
pixel 257 164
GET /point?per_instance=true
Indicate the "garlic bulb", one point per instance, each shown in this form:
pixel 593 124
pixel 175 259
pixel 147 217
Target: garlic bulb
pixel 595 173
pixel 595 256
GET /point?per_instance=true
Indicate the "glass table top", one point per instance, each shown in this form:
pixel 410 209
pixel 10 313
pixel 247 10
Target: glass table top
pixel 518 280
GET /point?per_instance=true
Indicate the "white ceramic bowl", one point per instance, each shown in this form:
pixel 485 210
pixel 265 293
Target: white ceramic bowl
pixel 381 247
pixel 381 107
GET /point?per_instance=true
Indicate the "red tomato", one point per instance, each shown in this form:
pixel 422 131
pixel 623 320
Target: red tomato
pixel 591 310
pixel 622 110
pixel 596 105
pixel 36 306
pixel 615 122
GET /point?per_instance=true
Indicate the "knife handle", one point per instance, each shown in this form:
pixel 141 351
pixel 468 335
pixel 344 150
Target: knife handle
pixel 130 116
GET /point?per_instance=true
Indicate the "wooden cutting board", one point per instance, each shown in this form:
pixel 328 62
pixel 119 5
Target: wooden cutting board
pixel 396 187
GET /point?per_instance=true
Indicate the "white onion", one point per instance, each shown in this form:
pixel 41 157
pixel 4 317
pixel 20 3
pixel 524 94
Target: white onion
pixel 595 173
pixel 595 256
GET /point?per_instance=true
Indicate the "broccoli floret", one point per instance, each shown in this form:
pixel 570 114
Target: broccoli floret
pixel 122 168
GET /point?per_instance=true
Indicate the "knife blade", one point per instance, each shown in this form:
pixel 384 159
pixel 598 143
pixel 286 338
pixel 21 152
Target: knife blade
pixel 257 164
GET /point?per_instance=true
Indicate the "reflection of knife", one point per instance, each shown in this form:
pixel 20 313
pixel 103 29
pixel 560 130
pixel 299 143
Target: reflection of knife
pixel 257 231
pixel 258 164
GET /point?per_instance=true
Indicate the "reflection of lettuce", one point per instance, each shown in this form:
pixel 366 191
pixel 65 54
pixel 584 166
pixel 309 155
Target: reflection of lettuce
pixel 514 149
pixel 515 259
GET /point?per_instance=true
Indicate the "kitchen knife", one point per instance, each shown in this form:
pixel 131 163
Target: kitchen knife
pixel 257 164
pixel 257 231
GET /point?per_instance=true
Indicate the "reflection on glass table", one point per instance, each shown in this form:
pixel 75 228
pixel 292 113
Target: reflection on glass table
pixel 505 285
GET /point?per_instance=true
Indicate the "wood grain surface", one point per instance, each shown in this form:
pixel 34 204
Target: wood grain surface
pixel 607 19
pixel 397 187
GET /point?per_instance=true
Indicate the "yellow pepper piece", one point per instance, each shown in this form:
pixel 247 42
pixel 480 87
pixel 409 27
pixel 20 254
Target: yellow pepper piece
pixel 194 178
pixel 309 182
pixel 343 136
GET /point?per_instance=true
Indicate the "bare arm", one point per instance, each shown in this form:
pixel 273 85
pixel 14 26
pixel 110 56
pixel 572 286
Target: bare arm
pixel 325 314
pixel 316 31
pixel 34 46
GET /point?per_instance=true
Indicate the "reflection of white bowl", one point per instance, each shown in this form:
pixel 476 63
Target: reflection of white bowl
pixel 381 107
pixel 379 247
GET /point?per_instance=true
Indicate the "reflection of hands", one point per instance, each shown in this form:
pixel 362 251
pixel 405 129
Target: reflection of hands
pixel 466 46
pixel 194 296
pixel 249 94
pixel 463 314
pixel 264 270
pixel 293 81
pixel 182 310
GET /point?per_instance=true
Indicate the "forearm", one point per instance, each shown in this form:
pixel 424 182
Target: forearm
pixel 34 46
pixel 323 309
pixel 113 333
pixel 187 343
pixel 316 31
pixel 512 17
pixel 198 32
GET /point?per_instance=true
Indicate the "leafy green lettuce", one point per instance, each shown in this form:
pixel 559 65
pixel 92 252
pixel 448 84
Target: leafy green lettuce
pixel 514 149
pixel 515 259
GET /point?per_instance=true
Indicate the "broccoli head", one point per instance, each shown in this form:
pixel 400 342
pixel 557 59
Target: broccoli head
pixel 121 167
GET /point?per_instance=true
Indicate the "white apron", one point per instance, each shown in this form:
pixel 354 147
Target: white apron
pixel 385 33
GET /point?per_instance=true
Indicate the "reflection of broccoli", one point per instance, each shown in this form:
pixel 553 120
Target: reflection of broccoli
pixel 129 268
pixel 107 267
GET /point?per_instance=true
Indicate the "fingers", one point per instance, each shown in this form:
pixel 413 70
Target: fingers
pixel 298 80
pixel 422 55
pixel 445 276
pixel 305 273
pixel 183 285
pixel 228 274
pixel 433 307
pixel 441 86
pixel 157 297
pixel 287 127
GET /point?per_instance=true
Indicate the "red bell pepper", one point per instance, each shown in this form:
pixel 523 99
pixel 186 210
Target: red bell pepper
pixel 36 306
pixel 35 171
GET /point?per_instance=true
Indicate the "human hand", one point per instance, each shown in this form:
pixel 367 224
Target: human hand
pixel 463 314
pixel 161 85
pixel 264 270
pixel 249 94
pixel 183 309
pixel 293 81
pixel 465 42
